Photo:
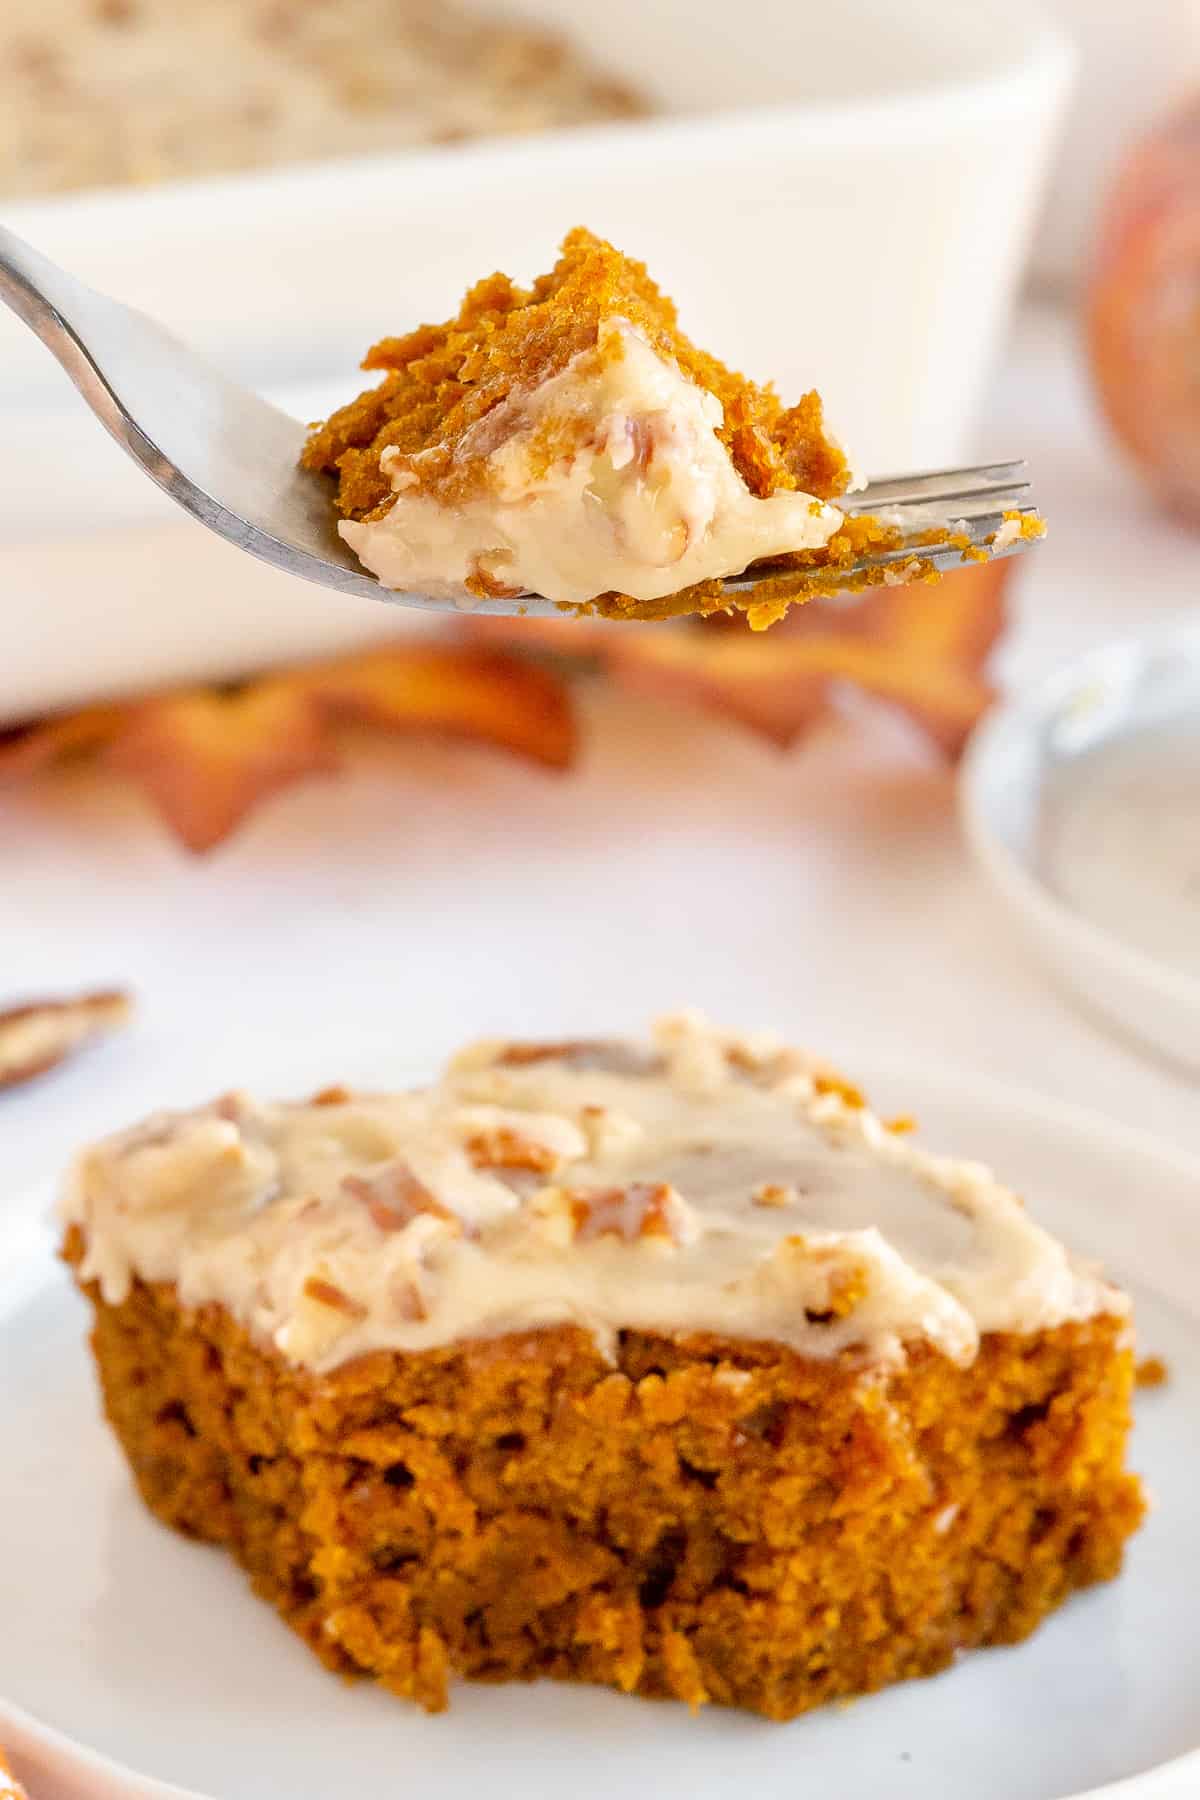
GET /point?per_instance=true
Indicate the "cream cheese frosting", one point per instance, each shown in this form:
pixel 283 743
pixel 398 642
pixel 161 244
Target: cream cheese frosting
pixel 647 500
pixel 700 1182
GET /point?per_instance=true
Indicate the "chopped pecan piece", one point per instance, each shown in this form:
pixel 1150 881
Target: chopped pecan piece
pixel 394 1197
pixel 849 1282
pixel 764 1069
pixel 328 1294
pixel 828 1081
pixel 487 584
pixel 594 1056
pixel 643 1209
pixel 410 1302
pixel 774 1067
pixel 502 1148
pixel 38 1035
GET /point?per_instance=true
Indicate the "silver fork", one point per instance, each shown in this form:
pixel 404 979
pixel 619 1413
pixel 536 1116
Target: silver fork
pixel 230 459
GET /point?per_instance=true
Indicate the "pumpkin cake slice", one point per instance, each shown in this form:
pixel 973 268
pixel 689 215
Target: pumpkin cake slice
pixel 569 440
pixel 665 1366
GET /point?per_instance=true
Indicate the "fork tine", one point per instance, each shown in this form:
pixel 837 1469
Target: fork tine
pixel 980 529
pixel 936 484
pixel 915 495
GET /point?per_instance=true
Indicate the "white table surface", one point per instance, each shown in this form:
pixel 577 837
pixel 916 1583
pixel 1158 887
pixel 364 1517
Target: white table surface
pixel 436 891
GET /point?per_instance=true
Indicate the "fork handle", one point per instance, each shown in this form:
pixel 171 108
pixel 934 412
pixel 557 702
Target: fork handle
pixel 55 305
pixel 41 295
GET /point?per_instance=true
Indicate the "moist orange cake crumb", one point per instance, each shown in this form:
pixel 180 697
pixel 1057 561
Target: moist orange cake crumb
pixel 441 379
pixel 855 1443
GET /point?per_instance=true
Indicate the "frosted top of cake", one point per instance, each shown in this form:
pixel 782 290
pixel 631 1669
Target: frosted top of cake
pixel 699 1182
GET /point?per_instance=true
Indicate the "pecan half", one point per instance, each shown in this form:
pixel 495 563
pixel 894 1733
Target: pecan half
pixel 38 1035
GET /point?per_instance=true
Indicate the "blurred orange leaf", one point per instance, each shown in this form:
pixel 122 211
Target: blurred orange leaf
pixel 469 692
pixel 920 648
pixel 10 1787
pixel 208 757
pixel 29 748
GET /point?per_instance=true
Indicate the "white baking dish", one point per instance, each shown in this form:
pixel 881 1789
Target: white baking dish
pixel 838 196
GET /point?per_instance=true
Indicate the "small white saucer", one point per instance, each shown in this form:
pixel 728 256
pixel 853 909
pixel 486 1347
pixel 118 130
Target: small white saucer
pixel 1081 802
pixel 124 1647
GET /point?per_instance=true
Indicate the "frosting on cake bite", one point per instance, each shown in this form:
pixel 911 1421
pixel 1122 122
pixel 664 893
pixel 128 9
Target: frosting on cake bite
pixel 609 476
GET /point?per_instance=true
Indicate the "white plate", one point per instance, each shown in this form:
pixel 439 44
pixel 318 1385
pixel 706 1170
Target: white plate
pixel 152 1651
pixel 1080 800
